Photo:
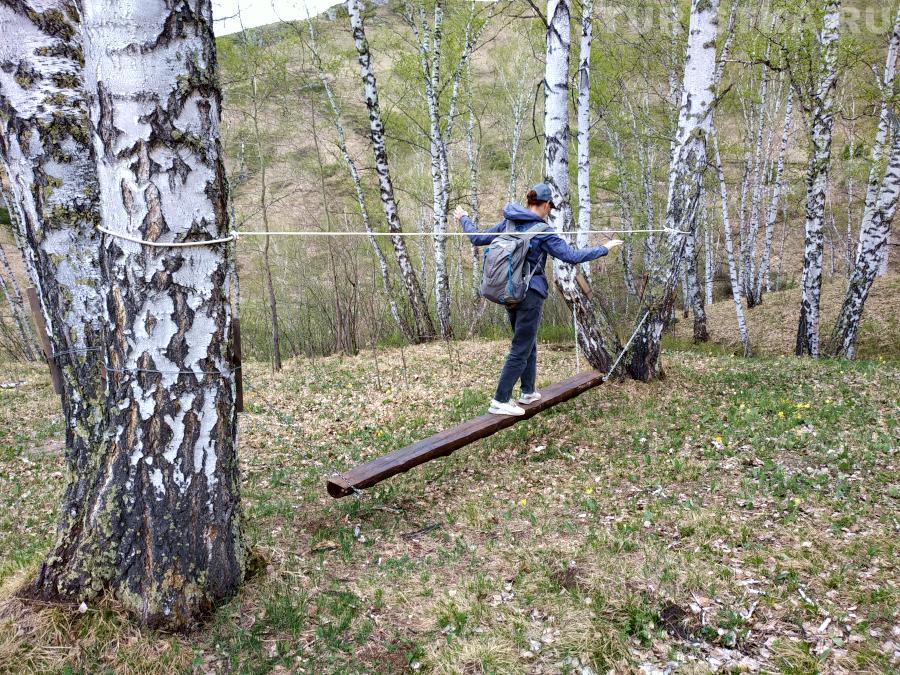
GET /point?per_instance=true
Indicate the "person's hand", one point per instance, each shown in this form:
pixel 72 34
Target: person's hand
pixel 460 212
pixel 612 243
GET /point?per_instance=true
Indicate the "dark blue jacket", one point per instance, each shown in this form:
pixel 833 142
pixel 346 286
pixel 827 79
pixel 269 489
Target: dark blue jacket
pixel 541 244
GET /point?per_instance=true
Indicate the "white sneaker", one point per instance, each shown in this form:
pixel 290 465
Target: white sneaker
pixel 508 408
pixel 525 399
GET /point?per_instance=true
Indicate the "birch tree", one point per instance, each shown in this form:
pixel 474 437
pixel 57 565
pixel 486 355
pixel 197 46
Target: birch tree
pixel 595 337
pixel 388 286
pixel 584 128
pixel 418 304
pixel 44 146
pixel 729 248
pixel 821 112
pixel 163 532
pixel 881 198
pixel 685 180
pixel 762 278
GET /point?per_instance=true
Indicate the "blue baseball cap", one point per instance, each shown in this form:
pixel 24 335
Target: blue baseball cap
pixel 543 194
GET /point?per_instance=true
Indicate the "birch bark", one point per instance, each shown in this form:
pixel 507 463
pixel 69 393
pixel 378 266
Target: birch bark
pixel 584 129
pixel 45 148
pixel 876 224
pixel 729 248
pixel 821 127
pixel 846 327
pixel 164 530
pixel 594 334
pixel 886 84
pixel 418 305
pixel 701 334
pixel 689 163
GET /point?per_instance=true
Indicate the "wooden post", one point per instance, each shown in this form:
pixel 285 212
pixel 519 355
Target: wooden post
pixel 38 316
pixel 236 364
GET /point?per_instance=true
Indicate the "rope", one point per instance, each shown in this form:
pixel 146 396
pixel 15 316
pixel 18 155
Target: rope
pixel 332 233
pixel 76 350
pixel 226 373
pixel 235 235
pixel 627 345
pixel 167 244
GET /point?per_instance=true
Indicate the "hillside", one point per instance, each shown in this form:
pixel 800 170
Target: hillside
pixel 773 324
pixel 736 515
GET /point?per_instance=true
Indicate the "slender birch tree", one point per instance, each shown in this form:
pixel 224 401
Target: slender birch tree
pixel 583 113
pixel 880 205
pixel 595 336
pixel 821 110
pixel 388 286
pixel 163 532
pixel 688 166
pixel 418 304
pixel 729 248
pixel 762 277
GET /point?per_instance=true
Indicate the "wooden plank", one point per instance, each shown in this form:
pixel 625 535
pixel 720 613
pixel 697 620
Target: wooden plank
pixel 236 364
pixel 445 442
pixel 38 315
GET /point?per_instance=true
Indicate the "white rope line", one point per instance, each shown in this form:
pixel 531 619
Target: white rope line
pixel 235 235
pixel 167 244
pixel 627 345
pixel 332 233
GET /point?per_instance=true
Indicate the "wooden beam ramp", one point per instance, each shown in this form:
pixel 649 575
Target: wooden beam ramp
pixel 445 442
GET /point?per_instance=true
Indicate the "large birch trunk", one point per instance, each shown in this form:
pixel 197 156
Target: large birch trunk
pixel 164 528
pixel 45 146
pixel 594 334
pixel 817 184
pixel 584 129
pixel 417 302
pixel 689 163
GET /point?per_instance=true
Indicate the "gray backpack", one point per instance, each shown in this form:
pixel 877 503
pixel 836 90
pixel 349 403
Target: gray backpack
pixel 504 279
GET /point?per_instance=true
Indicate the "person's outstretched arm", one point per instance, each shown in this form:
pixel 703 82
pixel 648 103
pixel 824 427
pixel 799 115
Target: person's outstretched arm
pixel 557 247
pixel 476 236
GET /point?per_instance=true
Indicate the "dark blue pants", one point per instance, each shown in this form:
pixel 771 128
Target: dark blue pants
pixel 521 363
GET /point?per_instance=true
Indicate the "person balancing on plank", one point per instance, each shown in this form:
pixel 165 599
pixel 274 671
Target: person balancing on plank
pixel 513 276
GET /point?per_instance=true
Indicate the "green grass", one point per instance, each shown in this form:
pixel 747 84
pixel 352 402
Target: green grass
pixel 729 509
